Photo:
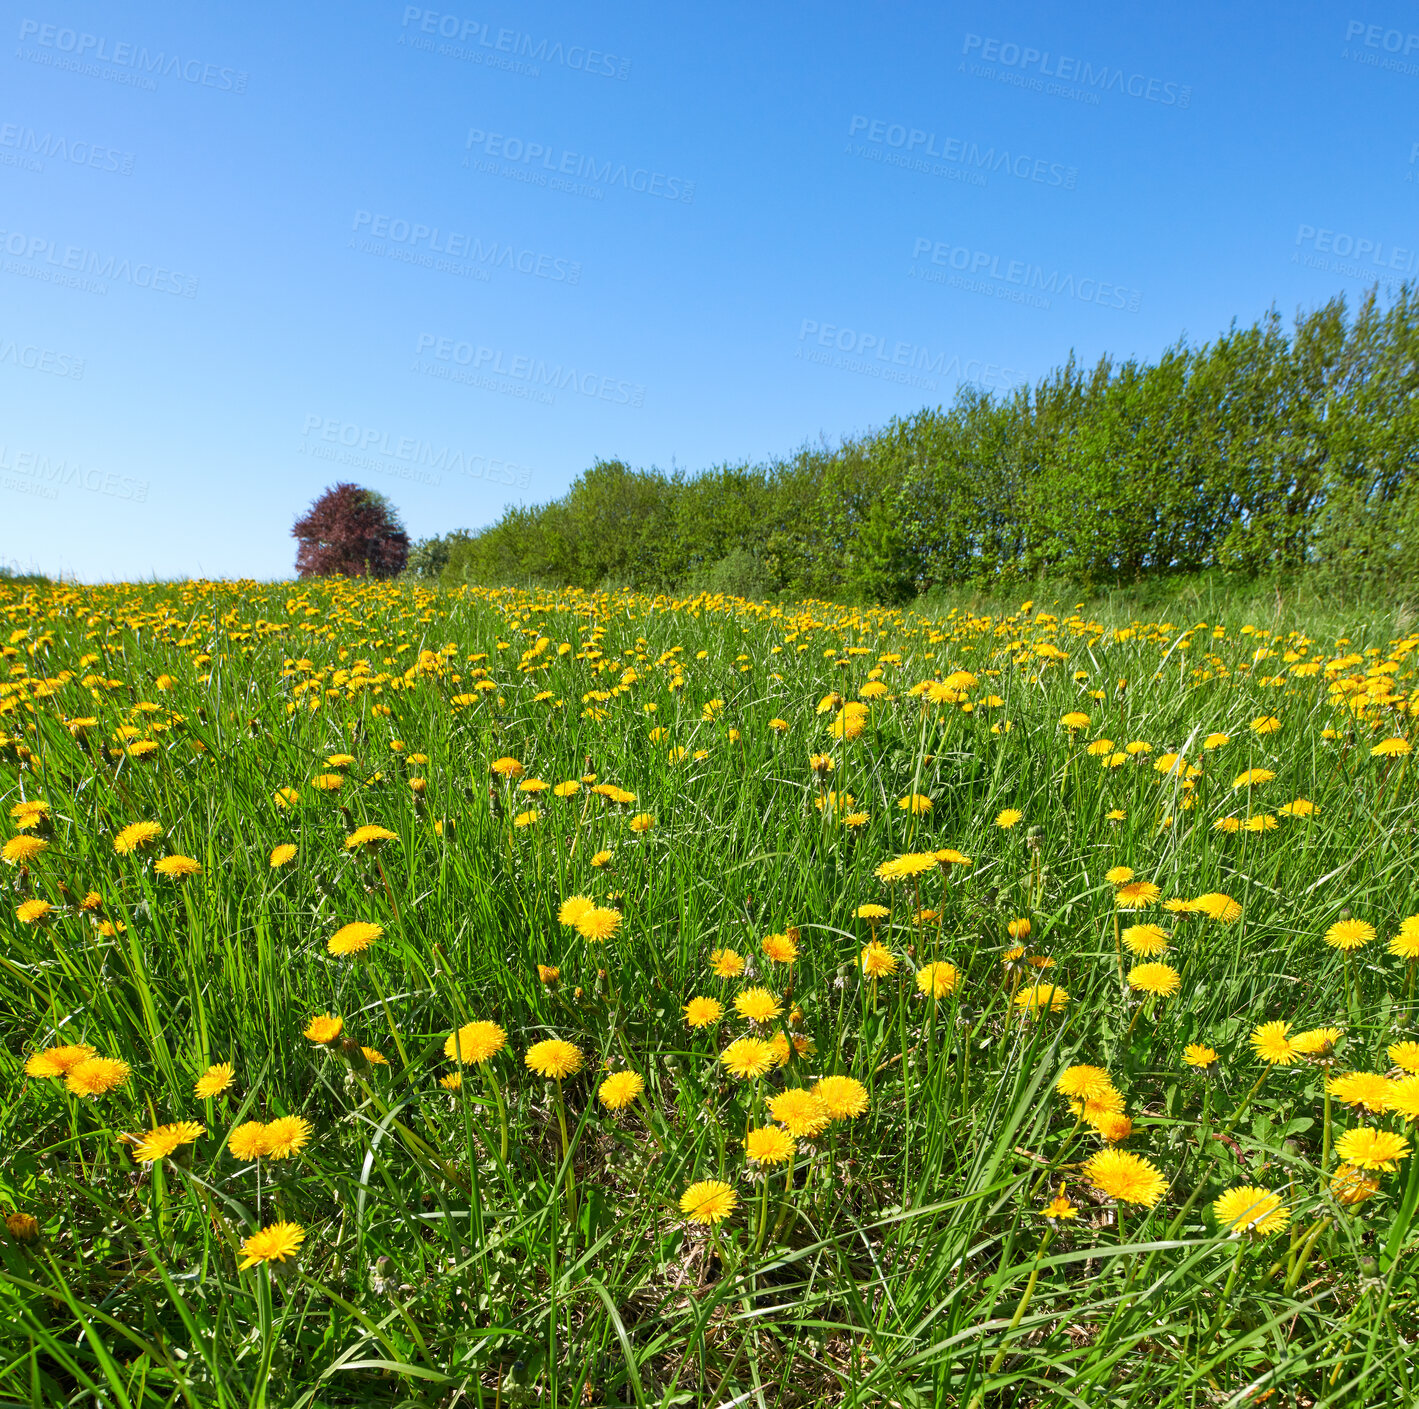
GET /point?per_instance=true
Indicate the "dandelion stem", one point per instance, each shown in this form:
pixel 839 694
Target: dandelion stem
pixel 389 891
pixel 567 1159
pixel 1303 1254
pixel 492 1081
pixel 1325 1142
pixel 1242 1109
pixel 1023 1304
pixel 389 1018
pixel 763 1214
pixel 1219 1321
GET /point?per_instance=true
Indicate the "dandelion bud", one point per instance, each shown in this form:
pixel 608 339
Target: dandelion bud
pixel 23 1227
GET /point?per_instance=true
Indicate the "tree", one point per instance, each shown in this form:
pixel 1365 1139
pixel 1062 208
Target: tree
pixel 350 532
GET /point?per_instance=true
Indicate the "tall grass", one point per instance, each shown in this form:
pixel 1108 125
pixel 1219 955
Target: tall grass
pixel 906 1258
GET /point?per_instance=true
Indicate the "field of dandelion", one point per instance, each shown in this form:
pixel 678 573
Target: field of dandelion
pixel 495 998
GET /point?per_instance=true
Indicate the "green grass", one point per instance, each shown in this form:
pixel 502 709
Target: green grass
pixel 908 1261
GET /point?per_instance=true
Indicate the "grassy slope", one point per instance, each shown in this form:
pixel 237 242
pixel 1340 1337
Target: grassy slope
pixel 435 1271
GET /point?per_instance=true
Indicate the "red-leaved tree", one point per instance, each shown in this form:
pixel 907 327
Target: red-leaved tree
pixel 350 532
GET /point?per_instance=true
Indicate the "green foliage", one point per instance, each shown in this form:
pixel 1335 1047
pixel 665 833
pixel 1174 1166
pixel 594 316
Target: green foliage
pixel 1263 452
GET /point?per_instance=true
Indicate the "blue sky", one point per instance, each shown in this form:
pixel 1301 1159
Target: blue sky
pixel 458 254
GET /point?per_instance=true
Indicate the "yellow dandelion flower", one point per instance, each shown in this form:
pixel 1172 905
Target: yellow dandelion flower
pixel 474 1043
pixel 1406 1055
pixel 1270 1042
pixel 249 1141
pixel 135 836
pixel 757 1005
pixel 553 1059
pixel 620 1089
pixel 780 948
pixel 769 1144
pixel 1136 895
pixel 175 868
pixel 1128 1178
pixel 1391 748
pixel 369 838
pixel 1247 1209
pixel 287 1135
pixel 1364 1090
pixel 843 1097
pixel 354 938
pixel 598 924
pixel 748 1058
pixel 1252 778
pixel 708 1201
pixel 1403 1097
pixel 58 1061
pixel 1086 1082
pixel 1147 941
pixel 1218 907
pixel 703 1012
pixel 1317 1042
pixel 22 850
pixel 214 1081
pixel 1369 1148
pixel 1351 1185
pixel 573 908
pixel 275 1243
pixel 1161 980
pixel 800 1112
pixel 324 1029
pixel 97 1076
pixel 1042 997
pixel 1349 934
pixel 938 980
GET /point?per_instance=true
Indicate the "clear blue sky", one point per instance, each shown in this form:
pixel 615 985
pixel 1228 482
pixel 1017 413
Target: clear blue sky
pixel 471 250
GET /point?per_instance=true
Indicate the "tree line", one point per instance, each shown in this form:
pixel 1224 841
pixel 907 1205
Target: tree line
pixel 1270 449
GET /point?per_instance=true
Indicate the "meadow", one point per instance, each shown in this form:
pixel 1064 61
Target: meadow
pixel 499 997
